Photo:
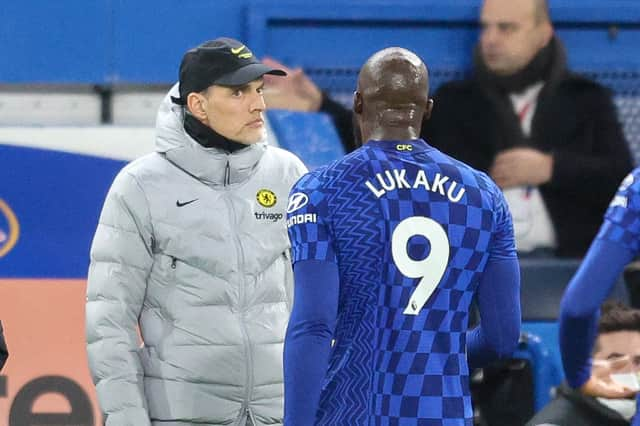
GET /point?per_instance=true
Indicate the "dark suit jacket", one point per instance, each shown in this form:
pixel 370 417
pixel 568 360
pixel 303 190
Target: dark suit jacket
pixel 575 121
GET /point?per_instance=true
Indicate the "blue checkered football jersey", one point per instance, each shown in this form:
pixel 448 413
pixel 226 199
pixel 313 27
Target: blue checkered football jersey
pixel 622 220
pixel 616 244
pixel 411 230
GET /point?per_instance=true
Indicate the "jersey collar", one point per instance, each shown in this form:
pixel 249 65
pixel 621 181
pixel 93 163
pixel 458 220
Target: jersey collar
pixel 408 146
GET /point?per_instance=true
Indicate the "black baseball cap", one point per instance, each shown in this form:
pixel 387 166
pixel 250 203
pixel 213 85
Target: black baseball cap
pixel 223 61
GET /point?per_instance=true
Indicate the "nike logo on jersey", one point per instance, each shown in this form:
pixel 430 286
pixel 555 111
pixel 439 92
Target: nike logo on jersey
pixel 179 204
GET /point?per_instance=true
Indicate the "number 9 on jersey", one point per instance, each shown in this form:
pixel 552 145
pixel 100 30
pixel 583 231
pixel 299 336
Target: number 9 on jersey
pixel 430 269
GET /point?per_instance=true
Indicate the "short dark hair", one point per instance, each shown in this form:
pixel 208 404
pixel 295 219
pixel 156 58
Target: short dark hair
pixel 541 11
pixel 616 316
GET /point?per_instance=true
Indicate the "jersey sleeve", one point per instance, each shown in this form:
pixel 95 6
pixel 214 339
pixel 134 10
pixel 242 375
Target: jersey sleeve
pixel 622 220
pixel 503 245
pixel 615 245
pixel 309 221
pixel 498 293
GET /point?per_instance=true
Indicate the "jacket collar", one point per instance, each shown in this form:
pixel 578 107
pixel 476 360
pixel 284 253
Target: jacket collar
pixel 548 65
pixel 208 137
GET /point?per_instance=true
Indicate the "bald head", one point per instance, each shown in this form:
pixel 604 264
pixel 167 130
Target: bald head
pixel 541 11
pixel 392 96
pixel 536 9
pixel 513 32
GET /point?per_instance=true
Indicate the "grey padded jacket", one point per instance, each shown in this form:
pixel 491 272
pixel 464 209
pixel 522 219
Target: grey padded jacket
pixel 192 247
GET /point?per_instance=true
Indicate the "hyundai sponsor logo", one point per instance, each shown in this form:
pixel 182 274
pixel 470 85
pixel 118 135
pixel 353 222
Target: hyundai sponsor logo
pixel 297 201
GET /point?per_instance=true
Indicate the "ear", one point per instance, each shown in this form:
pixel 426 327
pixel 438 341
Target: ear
pixel 195 103
pixel 427 111
pixel 547 33
pixel 357 102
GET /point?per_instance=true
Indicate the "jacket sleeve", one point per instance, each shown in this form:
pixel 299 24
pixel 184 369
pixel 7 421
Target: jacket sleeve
pixel 455 126
pixel 342 120
pixel 594 174
pixel 120 263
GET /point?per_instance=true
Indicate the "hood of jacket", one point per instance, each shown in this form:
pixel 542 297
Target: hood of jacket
pixel 213 166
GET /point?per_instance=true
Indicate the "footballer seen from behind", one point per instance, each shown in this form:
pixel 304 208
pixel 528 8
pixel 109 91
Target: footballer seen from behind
pixel 390 245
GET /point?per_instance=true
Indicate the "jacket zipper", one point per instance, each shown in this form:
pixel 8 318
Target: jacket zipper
pixel 227 174
pixel 174 260
pixel 243 310
pixel 250 418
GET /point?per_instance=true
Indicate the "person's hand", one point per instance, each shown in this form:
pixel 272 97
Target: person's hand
pixel 295 92
pixel 520 167
pixel 600 384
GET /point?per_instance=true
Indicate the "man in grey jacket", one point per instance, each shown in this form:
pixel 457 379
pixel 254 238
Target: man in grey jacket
pixel 192 250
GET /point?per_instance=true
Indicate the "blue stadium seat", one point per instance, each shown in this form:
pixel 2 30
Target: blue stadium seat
pixel 311 136
pixel 542 284
pixel 547 372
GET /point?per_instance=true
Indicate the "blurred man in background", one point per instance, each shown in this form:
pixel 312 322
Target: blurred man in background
pixel 192 248
pixel 390 244
pixel 549 138
pixel 616 358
